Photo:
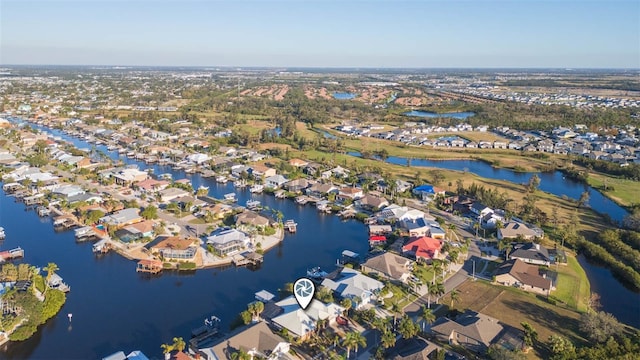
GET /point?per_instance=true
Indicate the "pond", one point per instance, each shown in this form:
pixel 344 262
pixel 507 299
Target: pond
pixel 427 114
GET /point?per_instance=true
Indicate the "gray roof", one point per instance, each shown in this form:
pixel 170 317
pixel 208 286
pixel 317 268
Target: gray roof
pixel 257 337
pixel 530 251
pixel 223 236
pixel 477 326
pixel 391 265
pixel 524 273
pixel 352 283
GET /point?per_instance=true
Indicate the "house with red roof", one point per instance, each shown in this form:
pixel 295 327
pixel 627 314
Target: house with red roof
pixel 425 248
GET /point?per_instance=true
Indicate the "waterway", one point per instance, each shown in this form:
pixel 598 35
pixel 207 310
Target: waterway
pixel 552 182
pixel 427 114
pixel 343 96
pixel 114 308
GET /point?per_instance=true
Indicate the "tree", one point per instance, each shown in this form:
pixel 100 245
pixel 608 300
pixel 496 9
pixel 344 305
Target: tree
pixel 240 355
pixel 150 212
pixel 584 199
pixel 561 348
pixel 530 334
pixel 388 339
pixel 497 352
pixel 166 348
pixel 346 304
pixel 455 295
pixel 533 184
pixel 352 340
pixel 395 309
pixel 599 326
pixel 256 308
pixel 426 316
pixel 178 344
pixel 407 328
pixel 94 216
pixel 51 268
pixel 246 317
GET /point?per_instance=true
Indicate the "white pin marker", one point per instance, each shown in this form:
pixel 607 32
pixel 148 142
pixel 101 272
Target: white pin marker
pixel 303 290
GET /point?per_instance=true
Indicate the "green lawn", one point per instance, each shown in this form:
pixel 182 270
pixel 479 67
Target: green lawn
pixel 622 191
pixel 400 295
pixel 572 287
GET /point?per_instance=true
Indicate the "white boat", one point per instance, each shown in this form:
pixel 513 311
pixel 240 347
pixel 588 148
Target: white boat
pixel 2 234
pixel 230 197
pixel 257 189
pixel 221 179
pixel 239 183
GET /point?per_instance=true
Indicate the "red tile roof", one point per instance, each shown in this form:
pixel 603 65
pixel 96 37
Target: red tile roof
pixel 424 247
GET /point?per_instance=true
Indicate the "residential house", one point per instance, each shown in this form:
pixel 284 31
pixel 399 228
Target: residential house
pixel 527 277
pixel 298 163
pixel 389 266
pixel 219 210
pixel 259 171
pixel 480 209
pixel 302 323
pixel 436 232
pixel 352 284
pixel 380 229
pixel 129 176
pixel 424 248
pixel 172 193
pixel 396 212
pixel 531 253
pixel 321 190
pixel 372 202
pixel 173 247
pixel 88 198
pixel 136 231
pixel 122 218
pixel 228 241
pixel 474 331
pixel 188 203
pixel 275 181
pixel 296 185
pixel 350 193
pixel 257 340
pixel 428 192
pixel 251 218
pixel 514 230
pixel 152 185
pixel 198 158
pixel 415 227
pixel 68 191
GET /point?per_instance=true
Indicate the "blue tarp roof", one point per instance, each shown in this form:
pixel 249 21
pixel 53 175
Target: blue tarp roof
pixel 425 188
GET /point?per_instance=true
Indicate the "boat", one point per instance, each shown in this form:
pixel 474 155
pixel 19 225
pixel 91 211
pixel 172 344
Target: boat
pixel 230 197
pixel 256 189
pixel 131 154
pixel 239 183
pixel 221 179
pixel 316 273
pixel 2 234
pixel 253 204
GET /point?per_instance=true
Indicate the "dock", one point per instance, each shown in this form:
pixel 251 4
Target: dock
pixel 280 194
pixel 347 213
pixel 149 266
pixel 85 233
pixel 101 247
pixel 64 222
pixel 11 254
pixel 290 226
pixel 250 258
pixel 43 211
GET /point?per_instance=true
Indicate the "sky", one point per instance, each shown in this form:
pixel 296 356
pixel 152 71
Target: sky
pixel 328 33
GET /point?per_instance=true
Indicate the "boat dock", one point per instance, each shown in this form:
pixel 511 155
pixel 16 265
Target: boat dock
pixel 11 254
pixel 102 247
pixel 290 226
pixel 253 205
pixel 250 258
pixel 36 199
pixel 149 266
pixel 64 222
pixel 43 211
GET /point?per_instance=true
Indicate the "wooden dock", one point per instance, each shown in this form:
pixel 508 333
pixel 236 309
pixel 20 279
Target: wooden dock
pixel 290 226
pixel 11 254
pixel 245 259
pixel 149 266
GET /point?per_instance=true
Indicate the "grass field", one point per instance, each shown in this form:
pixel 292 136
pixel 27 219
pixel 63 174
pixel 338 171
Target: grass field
pixel 512 307
pixel 625 192
pixel 572 287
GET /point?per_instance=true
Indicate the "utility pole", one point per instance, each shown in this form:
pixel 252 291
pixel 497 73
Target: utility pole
pixel 474 270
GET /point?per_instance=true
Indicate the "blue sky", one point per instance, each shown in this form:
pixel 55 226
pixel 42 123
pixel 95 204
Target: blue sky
pixel 329 33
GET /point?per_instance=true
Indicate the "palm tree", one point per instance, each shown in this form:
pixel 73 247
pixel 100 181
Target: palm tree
pixel 476 226
pixel 240 355
pixel 431 289
pixel 395 309
pixel 178 344
pixel 51 268
pixel 439 289
pixel 166 350
pixel 436 265
pixel 352 340
pixel 452 229
pixel 346 304
pixel 455 295
pixel 388 339
pixel 426 316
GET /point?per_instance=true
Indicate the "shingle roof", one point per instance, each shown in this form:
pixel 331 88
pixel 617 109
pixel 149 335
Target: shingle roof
pixel 524 273
pixel 474 325
pixel 257 337
pixel 391 265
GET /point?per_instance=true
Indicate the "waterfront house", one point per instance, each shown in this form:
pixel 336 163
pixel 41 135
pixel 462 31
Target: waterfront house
pixel 128 176
pixel 260 171
pixel 219 210
pixel 531 253
pixel 297 185
pixel 371 202
pixel 415 227
pixel 251 218
pixel 122 217
pixel 424 248
pixel 396 212
pixel 188 203
pixel 275 181
pixel 514 230
pixel 134 355
pixel 173 247
pixel 520 274
pixel 352 284
pixel 88 198
pixel 228 241
pixel 389 266
pixel 257 340
pixel 321 190
pixel 136 231
pixel 302 323
pixel 68 191
pixel 380 229
pixel 472 330
pixel 350 193
pixel 152 185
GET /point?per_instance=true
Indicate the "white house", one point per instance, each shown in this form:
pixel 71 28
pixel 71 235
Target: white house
pixel 352 284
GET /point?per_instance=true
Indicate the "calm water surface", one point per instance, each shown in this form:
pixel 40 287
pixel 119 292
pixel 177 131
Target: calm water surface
pixel 427 114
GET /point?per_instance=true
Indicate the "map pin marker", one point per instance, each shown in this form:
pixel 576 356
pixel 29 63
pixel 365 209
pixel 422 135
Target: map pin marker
pixel 303 290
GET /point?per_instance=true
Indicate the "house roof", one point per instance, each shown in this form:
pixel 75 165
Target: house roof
pixel 257 337
pixel 151 184
pixel 260 168
pixel 524 273
pixel 223 236
pixel 374 201
pixel 352 283
pixel 530 251
pixel 300 321
pixel 141 227
pixel 350 190
pixel 424 247
pixel 172 242
pixel 513 229
pixel 391 265
pixel 123 216
pixel 477 326
pixel 298 162
pixel 251 218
